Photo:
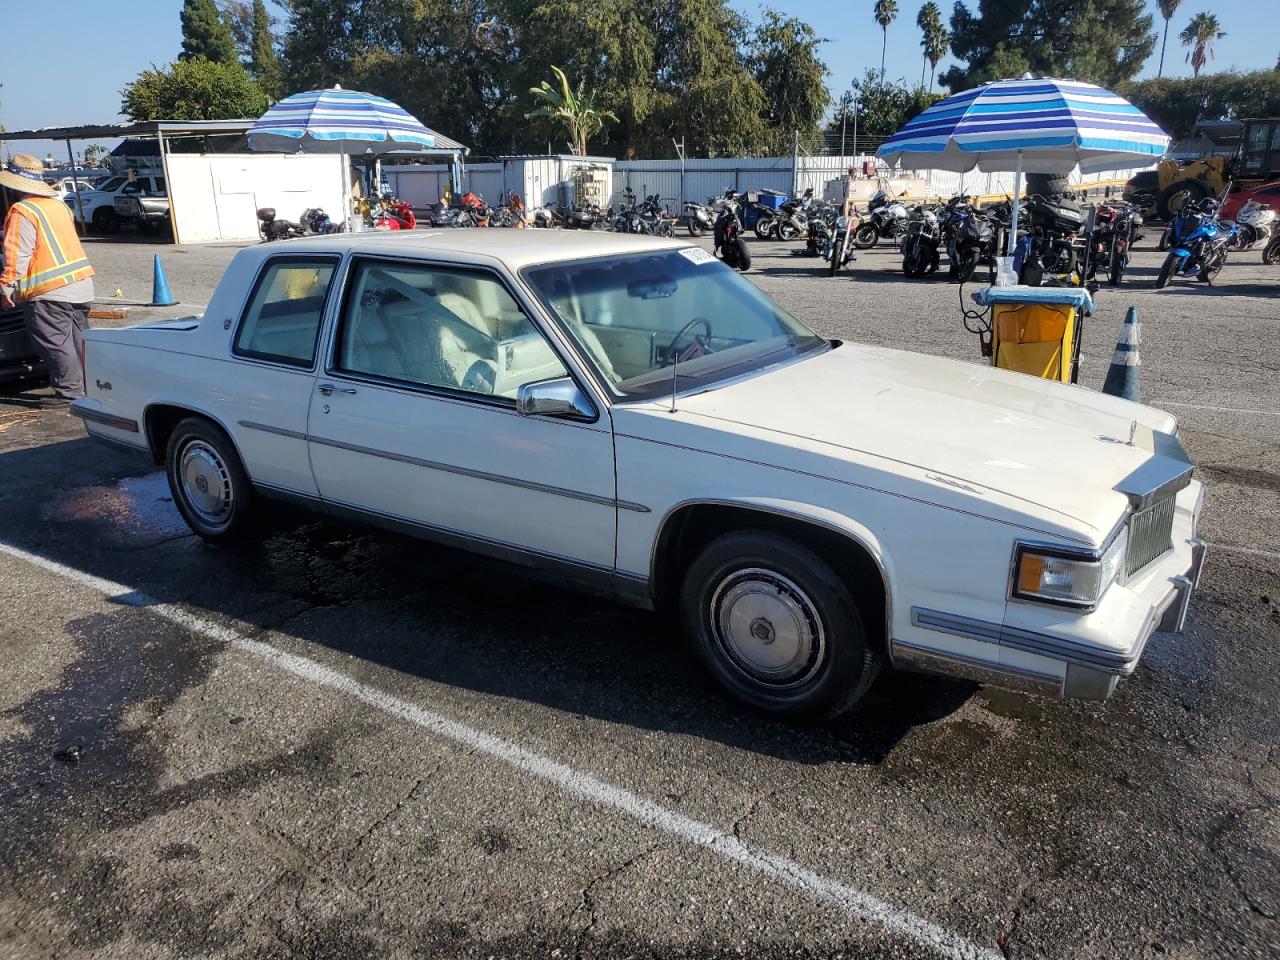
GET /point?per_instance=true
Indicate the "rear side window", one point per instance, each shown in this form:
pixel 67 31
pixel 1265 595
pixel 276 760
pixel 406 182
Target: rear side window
pixel 282 321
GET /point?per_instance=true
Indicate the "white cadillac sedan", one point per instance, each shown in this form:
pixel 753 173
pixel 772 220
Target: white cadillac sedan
pixel 634 417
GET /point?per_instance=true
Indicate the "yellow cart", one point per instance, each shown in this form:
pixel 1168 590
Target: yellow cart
pixel 1034 330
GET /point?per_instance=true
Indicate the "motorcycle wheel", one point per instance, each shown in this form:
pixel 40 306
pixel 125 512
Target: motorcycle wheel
pixel 1115 271
pixel 1163 245
pixel 786 230
pixel 1209 271
pixel 1271 253
pixel 967 266
pixel 696 229
pixel 915 264
pixel 764 227
pixel 837 254
pixel 866 236
pixel 1171 263
pixel 744 255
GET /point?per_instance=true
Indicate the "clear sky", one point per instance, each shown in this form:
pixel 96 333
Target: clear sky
pixel 75 71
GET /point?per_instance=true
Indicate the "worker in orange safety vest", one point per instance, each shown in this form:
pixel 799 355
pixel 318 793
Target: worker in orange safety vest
pixel 45 271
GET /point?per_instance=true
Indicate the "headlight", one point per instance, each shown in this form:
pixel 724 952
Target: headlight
pixel 1060 576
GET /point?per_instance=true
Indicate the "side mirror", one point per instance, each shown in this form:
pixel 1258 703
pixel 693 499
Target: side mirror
pixel 554 398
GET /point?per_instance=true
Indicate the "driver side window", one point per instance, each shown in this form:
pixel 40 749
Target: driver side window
pixel 440 327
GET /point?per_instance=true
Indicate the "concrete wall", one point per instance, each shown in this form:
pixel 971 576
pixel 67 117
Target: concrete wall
pixel 216 196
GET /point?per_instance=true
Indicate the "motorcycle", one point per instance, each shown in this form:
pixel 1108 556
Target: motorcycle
pixel 1255 223
pixel 791 220
pixel 822 220
pixel 921 242
pixel 1050 247
pixel 699 219
pixel 838 250
pixel 729 245
pixel 1198 242
pixel 271 228
pixel 1115 230
pixel 886 220
pixel 394 214
pixel 316 221
pixel 971 240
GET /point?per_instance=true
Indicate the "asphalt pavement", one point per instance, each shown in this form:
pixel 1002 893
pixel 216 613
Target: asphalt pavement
pixel 340 743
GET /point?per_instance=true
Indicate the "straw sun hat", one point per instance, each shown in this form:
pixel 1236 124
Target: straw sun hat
pixel 25 174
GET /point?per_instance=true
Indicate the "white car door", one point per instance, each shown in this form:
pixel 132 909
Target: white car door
pixel 414 423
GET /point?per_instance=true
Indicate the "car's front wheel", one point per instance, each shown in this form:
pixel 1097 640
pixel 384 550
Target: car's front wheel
pixel 209 485
pixel 776 626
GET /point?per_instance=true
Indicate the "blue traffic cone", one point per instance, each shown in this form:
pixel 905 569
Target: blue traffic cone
pixel 1122 379
pixel 161 295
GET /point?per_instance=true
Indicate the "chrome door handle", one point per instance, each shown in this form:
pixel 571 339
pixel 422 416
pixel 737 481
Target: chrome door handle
pixel 328 388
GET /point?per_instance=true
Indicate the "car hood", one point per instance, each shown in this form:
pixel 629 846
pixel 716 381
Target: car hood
pixel 1057 447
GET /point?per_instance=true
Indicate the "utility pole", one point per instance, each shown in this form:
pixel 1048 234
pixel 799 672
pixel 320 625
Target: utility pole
pixel 855 125
pixel 795 162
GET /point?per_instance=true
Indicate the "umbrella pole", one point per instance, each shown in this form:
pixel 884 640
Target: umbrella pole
pixel 1011 242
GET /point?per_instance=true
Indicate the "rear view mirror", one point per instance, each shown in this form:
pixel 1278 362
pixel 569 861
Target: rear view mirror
pixel 555 398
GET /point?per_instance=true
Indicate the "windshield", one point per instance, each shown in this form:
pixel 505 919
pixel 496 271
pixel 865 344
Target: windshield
pixel 634 315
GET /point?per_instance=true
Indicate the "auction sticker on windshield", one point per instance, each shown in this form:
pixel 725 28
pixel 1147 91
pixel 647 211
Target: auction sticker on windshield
pixel 697 255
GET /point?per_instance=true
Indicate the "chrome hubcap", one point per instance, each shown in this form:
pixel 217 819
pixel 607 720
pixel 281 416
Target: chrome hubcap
pixel 767 627
pixel 206 484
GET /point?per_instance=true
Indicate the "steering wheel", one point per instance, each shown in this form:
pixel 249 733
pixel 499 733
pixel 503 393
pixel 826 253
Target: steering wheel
pixel 705 340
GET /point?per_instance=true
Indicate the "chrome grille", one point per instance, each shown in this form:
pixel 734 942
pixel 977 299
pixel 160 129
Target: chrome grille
pixel 1150 535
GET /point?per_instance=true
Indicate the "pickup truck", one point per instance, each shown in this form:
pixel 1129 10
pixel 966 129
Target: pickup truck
pixel 629 415
pixel 136 204
pixel 96 208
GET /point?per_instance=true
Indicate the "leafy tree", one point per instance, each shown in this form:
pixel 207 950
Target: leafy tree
pixel 1167 9
pixel 886 11
pixel 1177 103
pixel 884 107
pixel 1099 41
pixel 205 33
pixel 933 39
pixel 1200 35
pixel 576 110
pixel 263 62
pixel 784 60
pixel 197 89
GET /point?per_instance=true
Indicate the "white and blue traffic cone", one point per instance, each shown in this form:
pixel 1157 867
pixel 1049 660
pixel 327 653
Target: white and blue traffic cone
pixel 1122 379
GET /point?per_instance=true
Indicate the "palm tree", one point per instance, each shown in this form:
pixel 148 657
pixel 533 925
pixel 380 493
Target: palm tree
pixel 886 13
pixel 1200 35
pixel 934 39
pixel 1167 9
pixel 576 109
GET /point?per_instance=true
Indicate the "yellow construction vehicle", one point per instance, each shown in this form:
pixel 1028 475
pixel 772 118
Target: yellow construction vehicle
pixel 1254 160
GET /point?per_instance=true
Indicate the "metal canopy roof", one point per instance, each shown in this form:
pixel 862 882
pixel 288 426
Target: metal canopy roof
pixel 189 128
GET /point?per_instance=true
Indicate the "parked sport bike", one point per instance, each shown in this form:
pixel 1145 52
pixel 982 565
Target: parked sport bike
pixel 1198 242
pixel 971 240
pixel 271 228
pixel 1255 223
pixel 791 219
pixel 729 245
pixel 886 220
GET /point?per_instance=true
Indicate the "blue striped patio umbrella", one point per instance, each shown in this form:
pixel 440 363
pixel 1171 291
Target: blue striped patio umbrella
pixel 1032 125
pixel 338 121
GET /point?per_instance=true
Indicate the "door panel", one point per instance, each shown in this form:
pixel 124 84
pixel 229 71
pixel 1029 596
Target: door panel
pixel 416 421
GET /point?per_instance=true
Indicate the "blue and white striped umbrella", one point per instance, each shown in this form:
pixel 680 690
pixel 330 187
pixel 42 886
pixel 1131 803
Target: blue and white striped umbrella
pixel 337 121
pixel 1032 125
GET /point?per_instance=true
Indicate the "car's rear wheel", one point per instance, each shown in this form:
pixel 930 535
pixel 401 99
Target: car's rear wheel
pixel 104 220
pixel 209 485
pixel 776 626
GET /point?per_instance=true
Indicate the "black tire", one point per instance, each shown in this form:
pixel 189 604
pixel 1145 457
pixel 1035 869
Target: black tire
pixel 967 267
pixel 1271 252
pixel 209 485
pixel 1166 207
pixel 696 229
pixel 796 598
pixel 764 227
pixel 1209 271
pixel 1115 270
pixel 744 254
pixel 104 220
pixel 837 253
pixel 1166 270
pixel 1048 184
pixel 865 237
pixel 786 230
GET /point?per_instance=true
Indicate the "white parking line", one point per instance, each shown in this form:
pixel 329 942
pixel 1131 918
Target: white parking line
pixel 1206 406
pixel 853 902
